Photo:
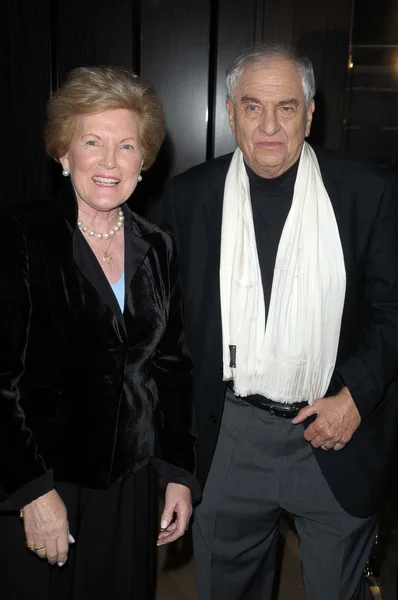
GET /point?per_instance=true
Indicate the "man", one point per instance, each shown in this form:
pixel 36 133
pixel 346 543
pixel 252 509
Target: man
pixel 289 264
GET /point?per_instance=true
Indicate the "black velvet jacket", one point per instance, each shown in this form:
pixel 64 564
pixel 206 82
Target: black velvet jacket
pixel 87 394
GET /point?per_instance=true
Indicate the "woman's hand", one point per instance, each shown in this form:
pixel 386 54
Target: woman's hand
pixel 176 513
pixel 47 529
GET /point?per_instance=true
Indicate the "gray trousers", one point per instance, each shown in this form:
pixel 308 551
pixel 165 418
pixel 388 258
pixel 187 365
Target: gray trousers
pixel 263 465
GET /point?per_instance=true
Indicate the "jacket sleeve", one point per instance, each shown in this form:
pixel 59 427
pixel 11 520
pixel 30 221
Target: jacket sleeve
pixel 23 473
pixel 172 372
pixel 370 370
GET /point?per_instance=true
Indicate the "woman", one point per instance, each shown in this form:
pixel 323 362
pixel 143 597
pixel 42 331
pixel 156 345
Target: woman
pixel 94 371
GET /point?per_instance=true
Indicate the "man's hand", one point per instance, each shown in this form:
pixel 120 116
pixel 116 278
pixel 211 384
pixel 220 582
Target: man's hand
pixel 176 513
pixel 337 420
pixel 47 528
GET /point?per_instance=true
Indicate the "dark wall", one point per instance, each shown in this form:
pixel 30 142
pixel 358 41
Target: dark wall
pixel 26 79
pixel 371 119
pixel 183 47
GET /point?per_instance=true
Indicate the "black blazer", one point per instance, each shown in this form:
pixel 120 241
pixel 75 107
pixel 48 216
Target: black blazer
pixel 87 394
pixel 366 208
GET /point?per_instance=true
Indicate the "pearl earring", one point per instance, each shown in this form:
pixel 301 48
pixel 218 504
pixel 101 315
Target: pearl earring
pixel 65 173
pixel 139 178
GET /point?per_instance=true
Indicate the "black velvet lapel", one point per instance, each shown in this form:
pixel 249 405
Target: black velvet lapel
pixel 136 249
pixel 90 268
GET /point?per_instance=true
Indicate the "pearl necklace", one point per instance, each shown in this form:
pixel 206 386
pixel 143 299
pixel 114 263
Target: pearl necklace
pixel 104 236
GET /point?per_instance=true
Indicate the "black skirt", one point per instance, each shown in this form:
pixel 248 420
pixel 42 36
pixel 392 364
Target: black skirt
pixel 114 556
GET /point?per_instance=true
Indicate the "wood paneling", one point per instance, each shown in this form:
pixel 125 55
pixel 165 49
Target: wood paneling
pixel 278 21
pixel 372 90
pixel 319 29
pixel 25 89
pixel 234 36
pixel 174 56
pixel 322 31
pixel 375 22
pixel 94 32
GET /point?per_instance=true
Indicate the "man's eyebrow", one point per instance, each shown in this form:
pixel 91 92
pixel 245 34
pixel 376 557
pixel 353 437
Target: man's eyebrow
pixel 288 101
pixel 250 100
pixel 254 100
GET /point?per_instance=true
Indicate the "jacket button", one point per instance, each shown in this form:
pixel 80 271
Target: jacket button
pixel 213 419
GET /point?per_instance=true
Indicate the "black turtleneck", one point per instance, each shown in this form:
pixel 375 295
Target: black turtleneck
pixel 271 200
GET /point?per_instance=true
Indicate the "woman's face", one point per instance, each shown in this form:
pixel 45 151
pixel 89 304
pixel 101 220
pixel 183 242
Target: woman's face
pixel 105 158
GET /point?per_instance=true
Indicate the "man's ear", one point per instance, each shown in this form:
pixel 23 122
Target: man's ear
pixel 231 115
pixel 310 112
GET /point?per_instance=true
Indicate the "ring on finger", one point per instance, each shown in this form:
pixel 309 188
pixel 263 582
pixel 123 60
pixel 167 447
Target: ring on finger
pixel 324 447
pixel 33 546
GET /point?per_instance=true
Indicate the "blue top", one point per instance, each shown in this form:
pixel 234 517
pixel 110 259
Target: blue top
pixel 118 290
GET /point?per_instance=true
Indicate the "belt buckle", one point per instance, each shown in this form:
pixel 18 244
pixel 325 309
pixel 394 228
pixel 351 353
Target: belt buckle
pixel 280 412
pixel 290 413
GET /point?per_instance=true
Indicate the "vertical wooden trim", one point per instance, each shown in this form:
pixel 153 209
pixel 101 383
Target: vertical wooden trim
pixel 212 81
pixel 136 29
pixel 258 35
pixel 347 98
pixel 54 47
pixel 236 32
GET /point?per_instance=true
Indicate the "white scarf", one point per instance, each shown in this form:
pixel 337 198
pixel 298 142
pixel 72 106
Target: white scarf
pixel 289 356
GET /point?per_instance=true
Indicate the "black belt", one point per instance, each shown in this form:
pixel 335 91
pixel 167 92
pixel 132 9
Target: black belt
pixel 278 409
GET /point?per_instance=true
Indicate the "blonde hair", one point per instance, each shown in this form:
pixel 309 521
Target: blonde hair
pixel 91 90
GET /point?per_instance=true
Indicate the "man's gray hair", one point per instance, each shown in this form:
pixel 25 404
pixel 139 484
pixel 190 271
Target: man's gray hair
pixel 261 53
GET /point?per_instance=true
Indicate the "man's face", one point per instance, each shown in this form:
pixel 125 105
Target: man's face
pixel 269 117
